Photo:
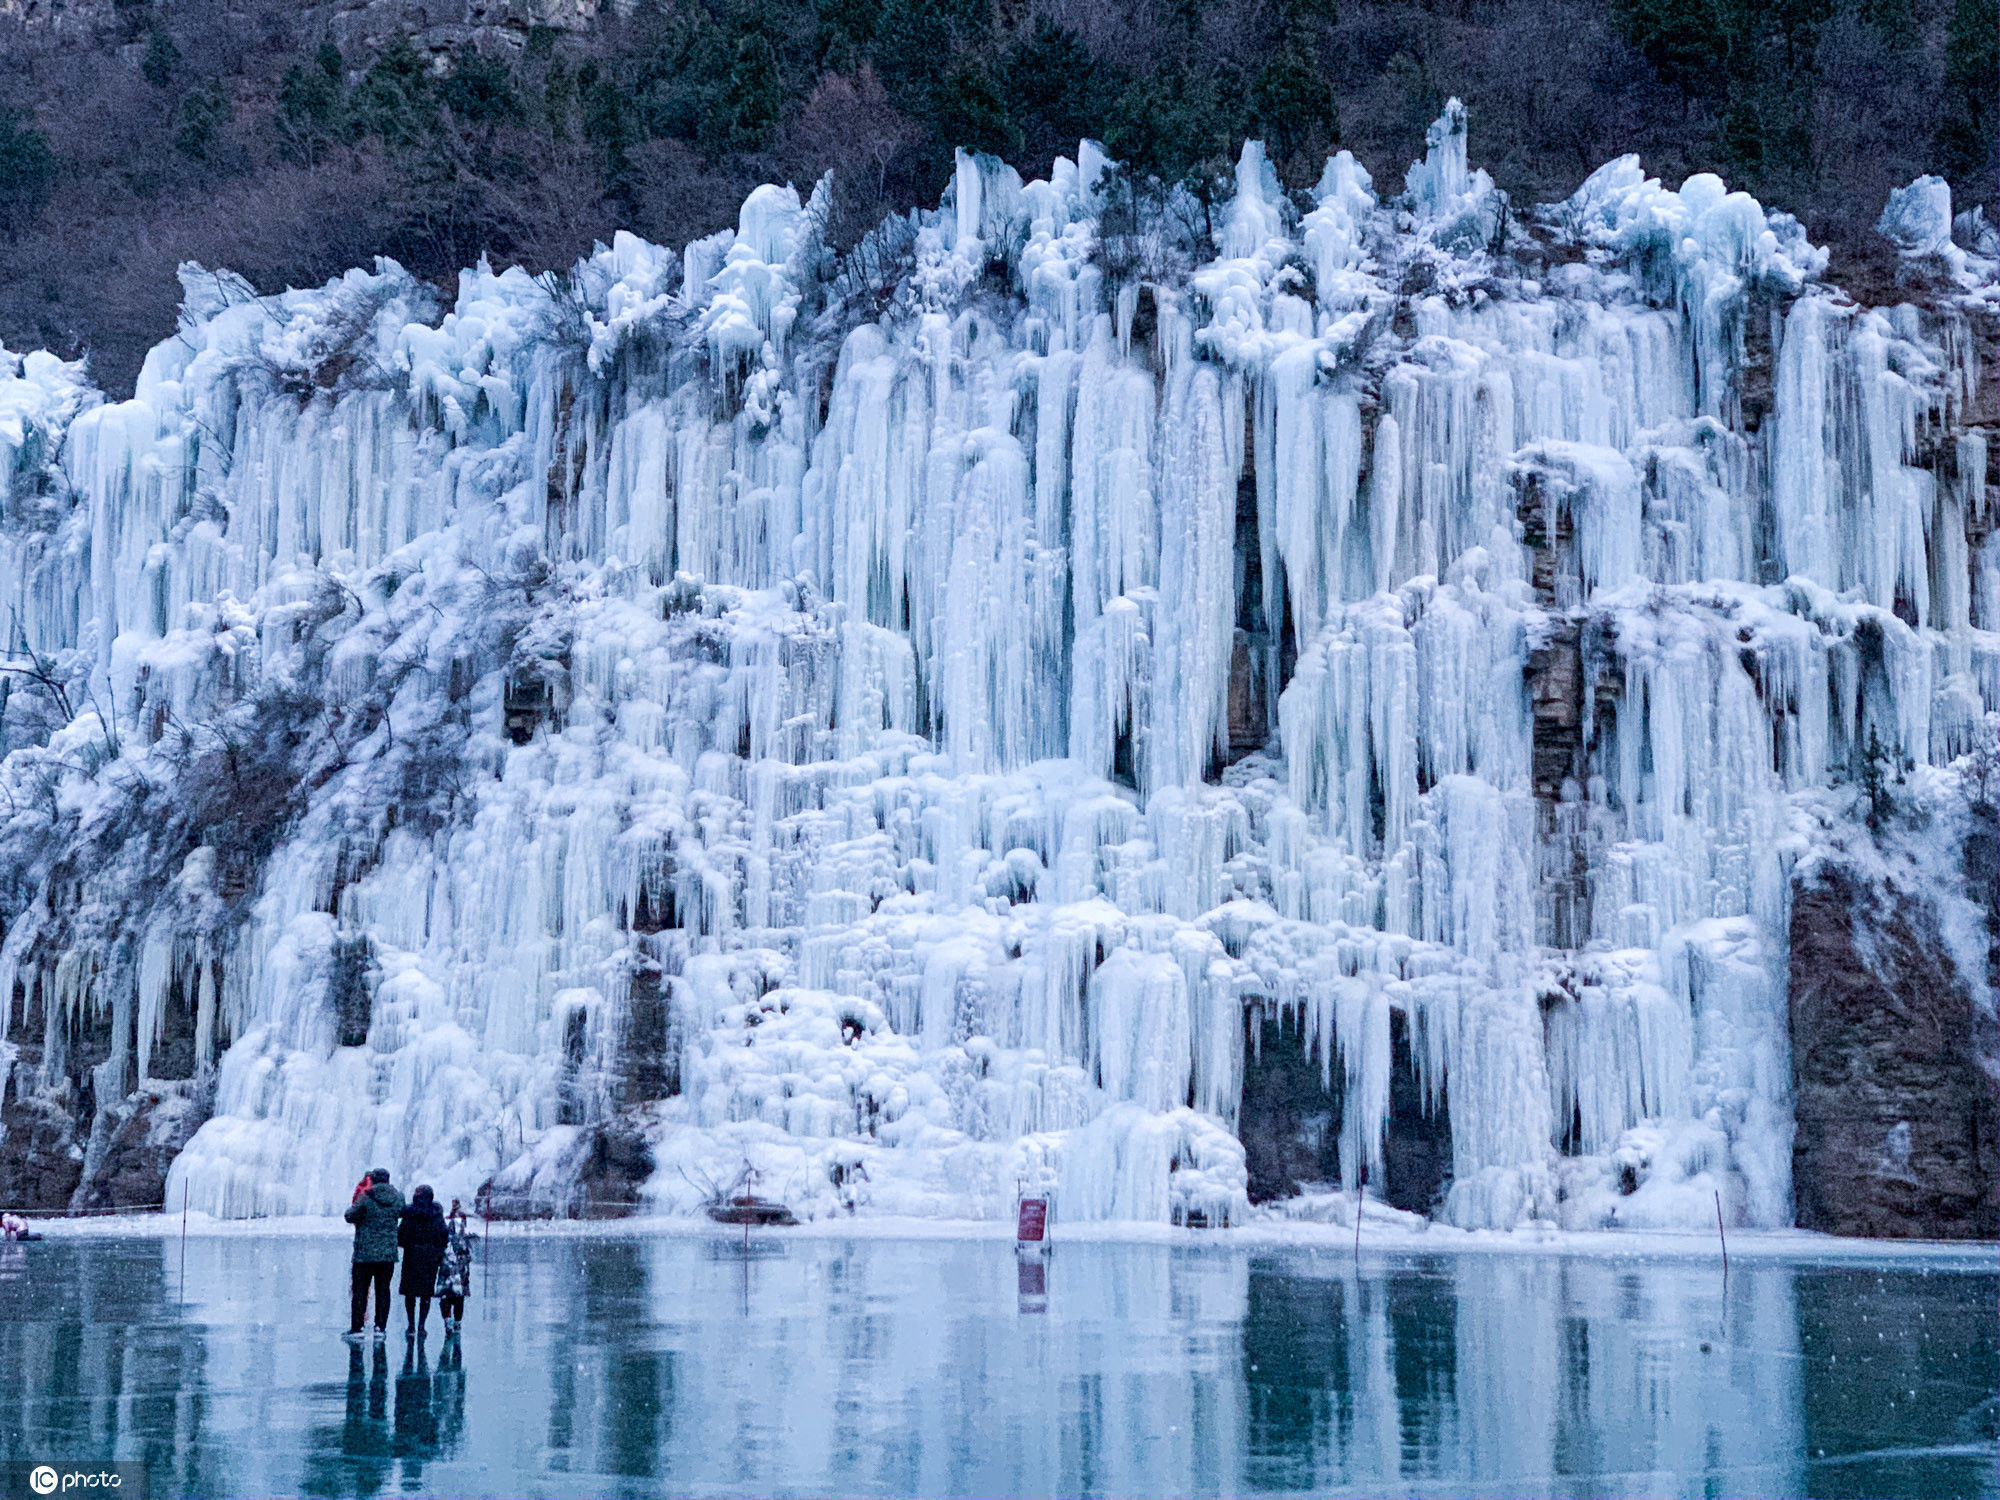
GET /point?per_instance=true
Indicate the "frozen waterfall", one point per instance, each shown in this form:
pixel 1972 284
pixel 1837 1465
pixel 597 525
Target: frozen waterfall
pixel 918 711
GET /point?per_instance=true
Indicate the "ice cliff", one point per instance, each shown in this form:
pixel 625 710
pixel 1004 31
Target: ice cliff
pixel 908 720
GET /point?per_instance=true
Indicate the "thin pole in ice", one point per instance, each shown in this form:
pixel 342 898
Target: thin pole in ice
pixel 1360 1186
pixel 184 1238
pixel 1720 1235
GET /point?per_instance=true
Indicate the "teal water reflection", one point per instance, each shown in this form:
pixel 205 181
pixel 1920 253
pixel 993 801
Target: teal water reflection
pixel 649 1365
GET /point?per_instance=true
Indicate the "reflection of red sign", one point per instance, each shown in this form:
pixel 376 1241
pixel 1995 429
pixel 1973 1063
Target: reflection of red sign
pixel 1034 1219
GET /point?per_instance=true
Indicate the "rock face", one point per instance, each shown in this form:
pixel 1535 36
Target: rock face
pixel 40 1159
pixel 585 1172
pixel 1290 1118
pixel 134 1142
pixel 433 27
pixel 1898 1105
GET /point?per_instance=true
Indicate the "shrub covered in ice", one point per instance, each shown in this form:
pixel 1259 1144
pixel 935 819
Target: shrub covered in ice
pixel 1456 205
pixel 1917 218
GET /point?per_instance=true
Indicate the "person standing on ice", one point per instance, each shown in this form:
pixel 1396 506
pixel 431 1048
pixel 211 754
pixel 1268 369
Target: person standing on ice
pixel 375 1217
pixel 455 1274
pixel 423 1237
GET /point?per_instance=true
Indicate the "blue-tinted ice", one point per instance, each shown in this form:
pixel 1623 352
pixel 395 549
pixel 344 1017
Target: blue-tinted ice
pixel 611 1365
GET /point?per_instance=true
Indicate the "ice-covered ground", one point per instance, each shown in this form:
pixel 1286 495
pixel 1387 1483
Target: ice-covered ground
pixel 796 711
pixel 1384 1233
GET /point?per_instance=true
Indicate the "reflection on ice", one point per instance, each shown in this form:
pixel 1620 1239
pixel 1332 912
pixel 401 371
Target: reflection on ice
pixel 392 1428
pixel 1031 1275
pixel 824 1366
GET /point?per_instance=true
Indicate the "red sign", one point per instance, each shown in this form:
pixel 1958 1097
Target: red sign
pixel 1034 1220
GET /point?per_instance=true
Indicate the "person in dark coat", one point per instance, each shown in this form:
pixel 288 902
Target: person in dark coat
pixel 375 1217
pixel 423 1237
pixel 455 1275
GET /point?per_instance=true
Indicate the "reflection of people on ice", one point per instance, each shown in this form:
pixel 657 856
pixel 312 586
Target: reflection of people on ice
pixel 455 1273
pixel 416 1409
pixel 450 1396
pixel 427 1422
pixel 365 1441
pixel 14 1227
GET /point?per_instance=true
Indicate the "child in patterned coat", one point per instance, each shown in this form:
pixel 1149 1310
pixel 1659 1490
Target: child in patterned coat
pixel 455 1274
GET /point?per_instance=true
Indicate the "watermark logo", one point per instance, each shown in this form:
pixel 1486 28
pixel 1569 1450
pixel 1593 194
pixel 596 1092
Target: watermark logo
pixel 32 1481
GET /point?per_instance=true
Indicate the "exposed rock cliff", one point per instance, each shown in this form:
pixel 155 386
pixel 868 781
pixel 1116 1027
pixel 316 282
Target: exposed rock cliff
pixel 1896 1055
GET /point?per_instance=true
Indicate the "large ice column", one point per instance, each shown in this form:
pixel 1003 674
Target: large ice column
pixel 1850 510
pixel 1197 614
pixel 1333 233
pixel 1700 249
pixel 1500 1117
pixel 1311 469
pixel 1459 201
pixel 1167 1168
pixel 1349 721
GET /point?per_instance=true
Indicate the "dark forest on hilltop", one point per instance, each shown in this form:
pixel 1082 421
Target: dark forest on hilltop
pixel 290 143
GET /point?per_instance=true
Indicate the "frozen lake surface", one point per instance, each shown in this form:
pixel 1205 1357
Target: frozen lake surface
pixel 817 1365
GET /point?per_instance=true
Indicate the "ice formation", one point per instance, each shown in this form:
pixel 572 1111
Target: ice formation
pixel 888 719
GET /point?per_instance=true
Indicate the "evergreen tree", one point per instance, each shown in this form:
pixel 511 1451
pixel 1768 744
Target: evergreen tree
pixel 913 43
pixel 27 173
pixel 1972 47
pixel 1056 88
pixel 559 97
pixel 198 122
pixel 744 116
pixel 1293 100
pixel 1688 42
pixel 1753 60
pixel 1178 125
pixel 971 111
pixel 1422 99
pixel 1740 137
pixel 394 98
pixel 162 62
pixel 1880 771
pixel 1972 82
pixel 608 118
pixel 310 113
pixel 479 91
pixel 1895 21
pixel 846 31
pixel 1788 131
pixel 676 87
pixel 1793 25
